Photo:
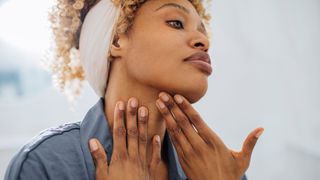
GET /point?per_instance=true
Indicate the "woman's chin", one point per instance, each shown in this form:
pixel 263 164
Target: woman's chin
pixel 194 93
pixel 192 90
pixel 194 97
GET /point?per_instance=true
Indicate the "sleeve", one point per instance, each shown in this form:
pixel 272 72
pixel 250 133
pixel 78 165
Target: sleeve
pixel 25 166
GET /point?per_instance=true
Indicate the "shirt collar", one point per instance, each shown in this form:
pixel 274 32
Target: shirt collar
pixel 95 125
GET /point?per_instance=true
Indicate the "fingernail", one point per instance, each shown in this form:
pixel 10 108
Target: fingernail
pixel 160 104
pixel 93 145
pixel 121 106
pixel 165 98
pixel 143 112
pixel 158 138
pixel 259 133
pixel 178 99
pixel 134 103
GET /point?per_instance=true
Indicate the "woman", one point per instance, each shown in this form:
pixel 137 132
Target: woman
pixel 147 69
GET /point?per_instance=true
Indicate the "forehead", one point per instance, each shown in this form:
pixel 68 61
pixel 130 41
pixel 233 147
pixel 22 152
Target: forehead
pixel 152 7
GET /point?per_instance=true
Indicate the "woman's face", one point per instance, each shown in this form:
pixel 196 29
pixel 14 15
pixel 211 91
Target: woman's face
pixel 160 40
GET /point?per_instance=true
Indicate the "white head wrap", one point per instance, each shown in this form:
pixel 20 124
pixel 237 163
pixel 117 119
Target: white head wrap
pixel 96 37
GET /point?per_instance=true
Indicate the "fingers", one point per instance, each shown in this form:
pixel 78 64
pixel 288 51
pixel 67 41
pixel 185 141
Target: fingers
pixel 119 132
pixel 182 120
pixel 143 116
pixel 136 135
pixel 250 142
pixel 203 129
pixel 98 154
pixel 156 154
pixel 132 129
pixel 177 136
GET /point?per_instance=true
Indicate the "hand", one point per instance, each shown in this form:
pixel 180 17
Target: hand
pixel 128 161
pixel 202 154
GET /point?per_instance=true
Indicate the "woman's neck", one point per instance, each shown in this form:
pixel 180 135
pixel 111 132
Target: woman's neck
pixel 121 87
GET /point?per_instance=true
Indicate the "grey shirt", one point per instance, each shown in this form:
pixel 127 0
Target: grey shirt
pixel 62 152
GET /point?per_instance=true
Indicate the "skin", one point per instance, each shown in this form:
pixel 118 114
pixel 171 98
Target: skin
pixel 131 157
pixel 202 154
pixel 147 62
pixel 146 58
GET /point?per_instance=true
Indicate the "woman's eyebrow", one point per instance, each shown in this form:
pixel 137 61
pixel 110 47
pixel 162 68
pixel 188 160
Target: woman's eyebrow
pixel 174 5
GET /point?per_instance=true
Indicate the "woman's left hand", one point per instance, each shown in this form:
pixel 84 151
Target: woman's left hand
pixel 129 157
pixel 202 154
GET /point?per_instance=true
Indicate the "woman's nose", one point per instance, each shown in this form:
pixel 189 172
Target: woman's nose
pixel 200 41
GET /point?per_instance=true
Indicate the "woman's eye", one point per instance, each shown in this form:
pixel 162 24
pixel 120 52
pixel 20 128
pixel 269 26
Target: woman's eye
pixel 176 24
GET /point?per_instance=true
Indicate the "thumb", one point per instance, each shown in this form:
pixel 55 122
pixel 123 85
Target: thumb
pixel 98 154
pixel 156 154
pixel 250 142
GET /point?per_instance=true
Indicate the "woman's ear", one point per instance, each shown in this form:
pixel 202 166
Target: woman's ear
pixel 119 45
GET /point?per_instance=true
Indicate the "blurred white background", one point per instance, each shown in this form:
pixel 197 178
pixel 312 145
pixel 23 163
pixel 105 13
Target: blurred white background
pixel 266 58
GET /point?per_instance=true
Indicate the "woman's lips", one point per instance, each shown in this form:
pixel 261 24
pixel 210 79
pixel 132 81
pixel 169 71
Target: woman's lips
pixel 202 65
pixel 201 60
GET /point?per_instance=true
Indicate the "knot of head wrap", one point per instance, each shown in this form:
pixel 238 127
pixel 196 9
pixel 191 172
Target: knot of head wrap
pixel 96 36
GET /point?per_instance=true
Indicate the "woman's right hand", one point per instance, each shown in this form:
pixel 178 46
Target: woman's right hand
pixel 129 158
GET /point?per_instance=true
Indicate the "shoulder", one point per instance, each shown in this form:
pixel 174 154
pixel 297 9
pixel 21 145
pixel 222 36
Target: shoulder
pixel 51 145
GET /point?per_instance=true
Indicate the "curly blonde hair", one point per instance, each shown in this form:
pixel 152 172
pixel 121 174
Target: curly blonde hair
pixel 66 18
